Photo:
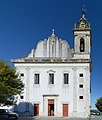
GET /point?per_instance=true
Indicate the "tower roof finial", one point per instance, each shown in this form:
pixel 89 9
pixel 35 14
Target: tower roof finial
pixel 53 31
pixel 83 11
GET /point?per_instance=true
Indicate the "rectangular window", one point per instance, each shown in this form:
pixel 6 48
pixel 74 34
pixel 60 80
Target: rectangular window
pixel 80 86
pixel 36 79
pixel 22 74
pixel 51 78
pixel 66 78
pixel 80 75
pixel 21 97
pixel 80 97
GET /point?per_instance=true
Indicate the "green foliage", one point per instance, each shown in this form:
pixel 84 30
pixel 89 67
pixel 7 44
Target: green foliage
pixel 10 84
pixel 99 104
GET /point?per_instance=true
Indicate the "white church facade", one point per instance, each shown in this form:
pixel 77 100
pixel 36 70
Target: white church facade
pixel 56 77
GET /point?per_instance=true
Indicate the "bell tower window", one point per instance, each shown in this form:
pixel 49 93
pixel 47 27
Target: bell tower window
pixel 82 45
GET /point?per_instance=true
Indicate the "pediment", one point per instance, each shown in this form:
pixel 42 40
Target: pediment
pixel 51 71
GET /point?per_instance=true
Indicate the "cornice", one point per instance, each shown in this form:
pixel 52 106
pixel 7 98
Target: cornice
pixel 53 61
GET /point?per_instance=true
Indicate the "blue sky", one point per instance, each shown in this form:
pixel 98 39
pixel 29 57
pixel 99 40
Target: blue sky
pixel 23 23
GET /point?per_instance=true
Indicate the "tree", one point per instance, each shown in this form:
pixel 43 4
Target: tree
pixel 99 104
pixel 10 84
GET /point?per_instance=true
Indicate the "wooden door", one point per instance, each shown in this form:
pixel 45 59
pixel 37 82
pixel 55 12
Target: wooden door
pixel 50 107
pixel 36 109
pixel 65 109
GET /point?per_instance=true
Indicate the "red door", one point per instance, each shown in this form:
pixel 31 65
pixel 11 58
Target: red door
pixel 36 109
pixel 65 109
pixel 50 107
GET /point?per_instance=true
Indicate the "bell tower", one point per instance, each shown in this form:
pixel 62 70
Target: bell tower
pixel 82 38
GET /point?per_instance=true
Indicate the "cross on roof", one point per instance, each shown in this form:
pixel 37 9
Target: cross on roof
pixel 53 31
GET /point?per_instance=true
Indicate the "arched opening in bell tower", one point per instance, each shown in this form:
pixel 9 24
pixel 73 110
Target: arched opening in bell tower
pixel 82 45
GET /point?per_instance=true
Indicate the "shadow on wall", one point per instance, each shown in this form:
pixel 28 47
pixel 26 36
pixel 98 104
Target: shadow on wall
pixel 24 109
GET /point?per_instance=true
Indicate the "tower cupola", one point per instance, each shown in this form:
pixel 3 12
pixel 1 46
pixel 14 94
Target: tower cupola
pixel 83 23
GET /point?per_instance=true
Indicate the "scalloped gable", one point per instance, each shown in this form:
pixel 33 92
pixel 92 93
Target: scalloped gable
pixel 53 47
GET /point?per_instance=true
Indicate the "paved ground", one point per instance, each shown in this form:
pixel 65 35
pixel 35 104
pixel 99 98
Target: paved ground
pixel 59 118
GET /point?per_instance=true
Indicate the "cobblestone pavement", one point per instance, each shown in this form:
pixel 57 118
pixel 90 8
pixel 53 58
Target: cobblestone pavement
pixel 58 118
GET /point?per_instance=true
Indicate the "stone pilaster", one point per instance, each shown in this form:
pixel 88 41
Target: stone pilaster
pixel 56 106
pixel 45 106
pixel 74 89
pixel 87 89
pixel 27 83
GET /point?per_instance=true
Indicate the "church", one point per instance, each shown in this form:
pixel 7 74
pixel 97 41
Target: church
pixel 57 77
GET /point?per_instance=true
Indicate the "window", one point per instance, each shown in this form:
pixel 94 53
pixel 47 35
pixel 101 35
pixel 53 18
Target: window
pixel 66 76
pixel 80 97
pixel 36 79
pixel 21 97
pixel 80 75
pixel 80 86
pixel 82 45
pixel 51 78
pixel 22 74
